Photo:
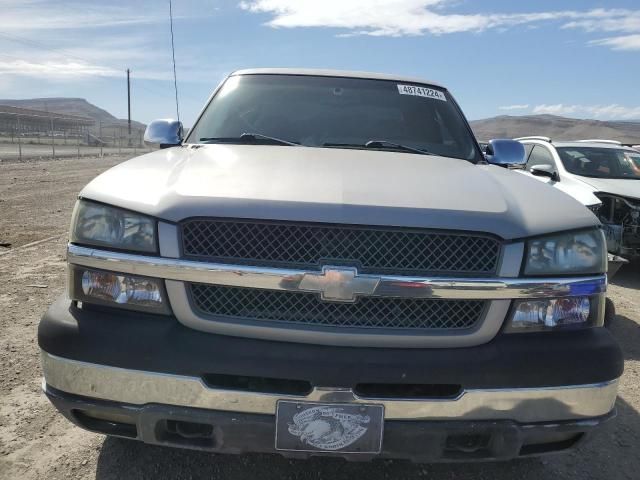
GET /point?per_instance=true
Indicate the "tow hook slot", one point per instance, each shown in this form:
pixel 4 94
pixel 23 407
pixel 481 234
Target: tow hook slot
pixel 186 434
pixel 467 444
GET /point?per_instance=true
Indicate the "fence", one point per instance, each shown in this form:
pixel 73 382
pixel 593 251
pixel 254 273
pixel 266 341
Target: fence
pixel 33 134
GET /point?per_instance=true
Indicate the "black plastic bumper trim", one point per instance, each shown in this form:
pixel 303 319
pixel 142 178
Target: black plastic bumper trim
pixel 226 432
pixel 157 343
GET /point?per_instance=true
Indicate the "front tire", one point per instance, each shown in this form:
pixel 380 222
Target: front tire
pixel 609 312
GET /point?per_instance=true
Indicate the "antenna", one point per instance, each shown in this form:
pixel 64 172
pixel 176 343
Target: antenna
pixel 129 105
pixel 173 54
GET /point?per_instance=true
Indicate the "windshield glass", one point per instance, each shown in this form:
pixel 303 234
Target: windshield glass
pixel 601 162
pixel 331 111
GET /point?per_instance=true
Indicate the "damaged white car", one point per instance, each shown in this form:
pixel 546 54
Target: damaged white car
pixel 603 175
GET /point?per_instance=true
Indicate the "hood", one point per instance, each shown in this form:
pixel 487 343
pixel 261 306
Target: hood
pixel 336 186
pixel 582 192
pixel 629 188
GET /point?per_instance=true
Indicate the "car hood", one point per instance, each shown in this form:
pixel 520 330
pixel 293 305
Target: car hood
pixel 629 188
pixel 336 186
pixel 583 193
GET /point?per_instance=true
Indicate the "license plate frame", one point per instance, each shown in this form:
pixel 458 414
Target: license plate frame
pixel 338 428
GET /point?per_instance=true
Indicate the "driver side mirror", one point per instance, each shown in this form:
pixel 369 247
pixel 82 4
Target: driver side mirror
pixel 545 171
pixel 506 153
pixel 165 133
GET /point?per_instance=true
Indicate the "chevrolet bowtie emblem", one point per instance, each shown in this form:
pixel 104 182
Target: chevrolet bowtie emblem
pixel 338 284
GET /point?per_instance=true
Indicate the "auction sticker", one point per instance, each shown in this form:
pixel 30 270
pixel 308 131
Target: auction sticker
pixel 421 92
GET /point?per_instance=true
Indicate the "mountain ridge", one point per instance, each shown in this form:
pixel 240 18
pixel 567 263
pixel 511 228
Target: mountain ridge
pixel 556 127
pixel 501 126
pixel 70 106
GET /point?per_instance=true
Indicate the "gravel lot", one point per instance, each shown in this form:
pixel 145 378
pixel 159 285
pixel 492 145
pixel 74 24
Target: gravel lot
pixel 35 206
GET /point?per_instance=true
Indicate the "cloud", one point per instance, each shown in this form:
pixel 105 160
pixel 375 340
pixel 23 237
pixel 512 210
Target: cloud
pixel 95 57
pixel 26 15
pixel 52 69
pixel 95 42
pixel 612 111
pixel 514 107
pixel 382 17
pixel 557 109
pixel 623 42
pixel 602 20
pixel 618 21
pixel 419 17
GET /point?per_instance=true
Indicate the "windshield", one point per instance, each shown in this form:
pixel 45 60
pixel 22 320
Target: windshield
pixel 601 162
pixel 337 112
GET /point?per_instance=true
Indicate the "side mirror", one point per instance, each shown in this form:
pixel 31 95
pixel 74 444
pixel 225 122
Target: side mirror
pixel 544 171
pixel 505 153
pixel 165 133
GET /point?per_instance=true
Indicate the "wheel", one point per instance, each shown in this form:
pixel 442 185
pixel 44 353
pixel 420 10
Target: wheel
pixel 609 312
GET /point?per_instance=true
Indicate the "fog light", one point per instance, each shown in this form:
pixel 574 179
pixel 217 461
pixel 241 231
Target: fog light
pixel 122 289
pixel 551 313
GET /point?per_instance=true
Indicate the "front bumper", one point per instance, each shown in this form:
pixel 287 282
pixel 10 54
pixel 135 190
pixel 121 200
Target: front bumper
pixel 137 387
pixel 155 343
pixel 136 375
pixel 228 432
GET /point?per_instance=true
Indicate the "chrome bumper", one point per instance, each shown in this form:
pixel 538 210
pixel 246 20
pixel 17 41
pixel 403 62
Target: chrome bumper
pixel 498 291
pixel 498 288
pixel 140 388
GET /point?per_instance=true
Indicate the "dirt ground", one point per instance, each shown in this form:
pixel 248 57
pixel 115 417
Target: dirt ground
pixel 35 442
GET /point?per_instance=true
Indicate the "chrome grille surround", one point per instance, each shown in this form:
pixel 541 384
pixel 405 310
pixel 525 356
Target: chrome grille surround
pixel 371 249
pixel 300 308
pixel 178 273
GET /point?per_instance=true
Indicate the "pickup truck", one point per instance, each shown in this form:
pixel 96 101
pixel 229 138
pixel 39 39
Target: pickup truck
pixel 327 264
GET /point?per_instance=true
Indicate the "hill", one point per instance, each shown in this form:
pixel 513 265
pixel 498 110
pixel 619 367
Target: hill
pixel 69 106
pixel 558 128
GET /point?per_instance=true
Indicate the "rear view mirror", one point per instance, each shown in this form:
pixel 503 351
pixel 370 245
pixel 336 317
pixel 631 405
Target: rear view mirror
pixel 544 171
pixel 505 153
pixel 165 133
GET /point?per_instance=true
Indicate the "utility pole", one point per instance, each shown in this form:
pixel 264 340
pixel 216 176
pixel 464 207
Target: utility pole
pixel 129 105
pixel 19 139
pixel 53 140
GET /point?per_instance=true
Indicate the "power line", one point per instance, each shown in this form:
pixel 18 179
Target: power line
pixel 66 54
pixel 33 43
pixel 173 55
pixel 63 53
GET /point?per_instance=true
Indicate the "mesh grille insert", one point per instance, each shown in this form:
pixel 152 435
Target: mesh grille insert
pixel 308 309
pixel 371 249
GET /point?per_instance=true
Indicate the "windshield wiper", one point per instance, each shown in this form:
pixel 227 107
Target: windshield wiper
pixel 249 138
pixel 396 146
pixel 380 144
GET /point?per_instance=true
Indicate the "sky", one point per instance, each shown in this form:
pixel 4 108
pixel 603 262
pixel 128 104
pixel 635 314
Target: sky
pixel 577 58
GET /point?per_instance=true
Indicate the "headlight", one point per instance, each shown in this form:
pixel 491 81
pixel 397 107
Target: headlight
pixel 102 225
pixel 572 253
pixel 121 290
pixel 556 313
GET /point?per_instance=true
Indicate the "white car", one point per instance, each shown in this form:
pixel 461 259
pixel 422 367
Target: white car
pixel 603 175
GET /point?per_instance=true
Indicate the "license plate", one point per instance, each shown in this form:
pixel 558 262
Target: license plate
pixel 329 427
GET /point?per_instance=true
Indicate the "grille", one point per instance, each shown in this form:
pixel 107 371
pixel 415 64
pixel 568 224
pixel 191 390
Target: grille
pixel 308 309
pixel 371 249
